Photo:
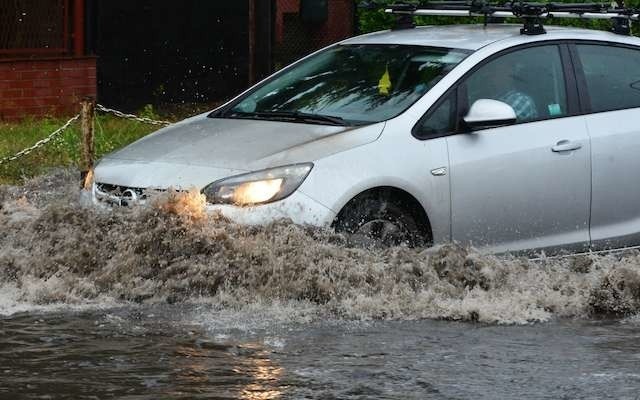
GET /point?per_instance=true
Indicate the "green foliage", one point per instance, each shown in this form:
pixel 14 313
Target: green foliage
pixel 374 20
pixel 149 112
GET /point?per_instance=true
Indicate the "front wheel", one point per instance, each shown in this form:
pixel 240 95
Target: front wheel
pixel 382 220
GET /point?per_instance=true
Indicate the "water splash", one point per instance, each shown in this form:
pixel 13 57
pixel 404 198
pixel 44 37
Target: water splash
pixel 53 251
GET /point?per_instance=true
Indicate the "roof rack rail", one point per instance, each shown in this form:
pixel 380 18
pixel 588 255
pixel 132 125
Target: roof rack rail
pixel 531 13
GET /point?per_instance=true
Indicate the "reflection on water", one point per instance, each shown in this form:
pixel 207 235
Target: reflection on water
pixel 147 353
pixel 266 379
pixel 244 370
pixel 167 302
pixel 160 353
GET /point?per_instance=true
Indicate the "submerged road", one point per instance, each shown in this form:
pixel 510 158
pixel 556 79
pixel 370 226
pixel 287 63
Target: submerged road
pixel 176 353
pixel 169 303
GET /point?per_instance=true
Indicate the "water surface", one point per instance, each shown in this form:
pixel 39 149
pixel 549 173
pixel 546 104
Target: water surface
pixel 167 302
pixel 154 353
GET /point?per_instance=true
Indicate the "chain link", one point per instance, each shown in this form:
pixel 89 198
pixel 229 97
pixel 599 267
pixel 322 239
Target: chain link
pixel 120 114
pixel 58 131
pixel 40 143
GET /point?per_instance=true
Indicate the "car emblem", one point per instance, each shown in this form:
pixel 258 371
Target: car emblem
pixel 129 197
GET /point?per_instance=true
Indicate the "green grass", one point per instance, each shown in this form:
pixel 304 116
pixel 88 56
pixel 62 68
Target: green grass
pixel 111 133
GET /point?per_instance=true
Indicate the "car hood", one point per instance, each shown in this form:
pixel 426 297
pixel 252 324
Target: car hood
pixel 217 148
pixel 244 144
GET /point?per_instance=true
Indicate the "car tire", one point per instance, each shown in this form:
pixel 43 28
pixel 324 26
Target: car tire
pixel 380 220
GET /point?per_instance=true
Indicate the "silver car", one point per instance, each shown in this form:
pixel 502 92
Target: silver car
pixel 478 135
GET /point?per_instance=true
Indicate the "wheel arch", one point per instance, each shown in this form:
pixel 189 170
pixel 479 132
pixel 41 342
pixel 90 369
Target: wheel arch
pixel 409 202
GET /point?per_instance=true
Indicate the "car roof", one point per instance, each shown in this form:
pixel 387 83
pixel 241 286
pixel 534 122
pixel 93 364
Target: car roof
pixel 474 36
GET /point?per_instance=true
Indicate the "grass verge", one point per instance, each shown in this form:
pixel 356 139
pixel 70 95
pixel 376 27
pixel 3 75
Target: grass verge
pixel 111 133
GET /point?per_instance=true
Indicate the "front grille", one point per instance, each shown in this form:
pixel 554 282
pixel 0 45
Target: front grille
pixel 116 195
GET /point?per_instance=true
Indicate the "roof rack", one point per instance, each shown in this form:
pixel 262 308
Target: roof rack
pixel 531 13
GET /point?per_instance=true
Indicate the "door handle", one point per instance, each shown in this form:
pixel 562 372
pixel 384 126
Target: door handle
pixel 566 145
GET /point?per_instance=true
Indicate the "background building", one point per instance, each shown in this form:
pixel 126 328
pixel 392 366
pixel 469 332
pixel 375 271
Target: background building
pixel 133 53
pixel 44 68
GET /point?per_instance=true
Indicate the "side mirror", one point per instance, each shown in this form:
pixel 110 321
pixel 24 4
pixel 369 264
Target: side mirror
pixel 486 113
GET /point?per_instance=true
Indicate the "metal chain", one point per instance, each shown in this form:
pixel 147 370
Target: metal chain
pixel 58 131
pixel 40 143
pixel 120 114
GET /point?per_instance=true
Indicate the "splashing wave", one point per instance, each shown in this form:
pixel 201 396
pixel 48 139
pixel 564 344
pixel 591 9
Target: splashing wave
pixel 54 251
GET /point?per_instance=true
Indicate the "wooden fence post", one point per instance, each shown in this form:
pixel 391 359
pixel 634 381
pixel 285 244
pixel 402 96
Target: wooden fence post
pixel 88 153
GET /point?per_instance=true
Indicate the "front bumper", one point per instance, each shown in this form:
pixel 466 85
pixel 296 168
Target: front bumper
pixel 299 208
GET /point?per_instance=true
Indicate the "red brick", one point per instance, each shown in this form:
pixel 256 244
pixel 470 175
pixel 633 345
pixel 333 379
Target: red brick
pixel 79 63
pixel 73 67
pixel 9 75
pixel 42 83
pixel 48 87
pixel 21 103
pixel 33 75
pixel 7 103
pixel 74 82
pixel 84 91
pixel 18 84
pixel 6 66
pixel 40 92
pixel 46 65
pixel 31 109
pixel 54 74
pixel 29 92
pixel 80 74
pixel 23 67
pixel 45 101
pixel 11 93
pixel 11 112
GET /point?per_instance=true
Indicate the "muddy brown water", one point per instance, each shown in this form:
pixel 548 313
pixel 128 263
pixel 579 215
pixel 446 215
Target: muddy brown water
pixel 167 302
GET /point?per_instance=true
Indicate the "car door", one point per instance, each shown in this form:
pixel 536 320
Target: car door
pixel 527 185
pixel 609 78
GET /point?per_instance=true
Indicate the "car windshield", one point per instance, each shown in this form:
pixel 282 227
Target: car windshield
pixel 349 84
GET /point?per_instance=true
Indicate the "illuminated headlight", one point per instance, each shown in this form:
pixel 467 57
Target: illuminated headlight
pixel 258 187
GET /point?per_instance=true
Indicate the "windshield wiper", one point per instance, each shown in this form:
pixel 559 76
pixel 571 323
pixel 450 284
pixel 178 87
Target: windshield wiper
pixel 299 116
pixel 295 116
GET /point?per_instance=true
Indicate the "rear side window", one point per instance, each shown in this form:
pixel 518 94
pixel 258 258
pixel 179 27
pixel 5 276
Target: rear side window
pixel 612 76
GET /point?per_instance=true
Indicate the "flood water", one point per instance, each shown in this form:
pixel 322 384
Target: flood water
pixel 166 302
pixel 170 352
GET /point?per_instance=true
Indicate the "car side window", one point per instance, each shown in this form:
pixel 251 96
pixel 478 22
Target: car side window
pixel 612 76
pixel 439 121
pixel 530 80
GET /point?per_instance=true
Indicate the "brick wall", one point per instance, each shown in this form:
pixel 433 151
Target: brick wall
pixel 45 87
